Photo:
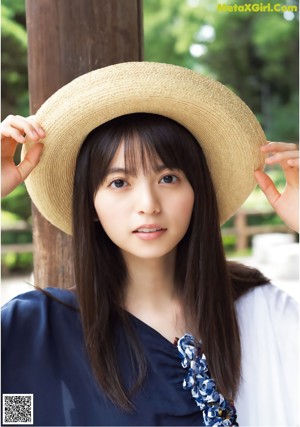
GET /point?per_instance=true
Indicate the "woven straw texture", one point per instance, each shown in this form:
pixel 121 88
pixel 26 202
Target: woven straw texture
pixel 225 127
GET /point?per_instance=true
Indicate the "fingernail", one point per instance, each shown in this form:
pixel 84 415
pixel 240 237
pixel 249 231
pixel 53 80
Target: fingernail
pixel 41 132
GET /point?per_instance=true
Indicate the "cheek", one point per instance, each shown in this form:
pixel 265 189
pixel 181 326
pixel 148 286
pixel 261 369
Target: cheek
pixel 104 210
pixel 188 203
pixel 183 206
pixel 109 215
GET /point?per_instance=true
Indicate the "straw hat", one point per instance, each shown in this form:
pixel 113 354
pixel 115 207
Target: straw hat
pixel 227 130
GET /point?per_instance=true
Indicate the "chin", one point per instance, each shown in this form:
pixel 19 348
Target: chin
pixel 150 254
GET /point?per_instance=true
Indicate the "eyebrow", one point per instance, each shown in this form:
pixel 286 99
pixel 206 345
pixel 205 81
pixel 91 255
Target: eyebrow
pixel 114 170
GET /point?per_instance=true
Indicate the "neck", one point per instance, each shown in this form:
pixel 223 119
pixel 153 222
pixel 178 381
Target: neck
pixel 150 281
pixel 151 295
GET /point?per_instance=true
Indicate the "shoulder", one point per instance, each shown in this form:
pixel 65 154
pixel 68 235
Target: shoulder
pixel 268 321
pixel 37 309
pixel 37 299
pixel 265 314
pixel 268 302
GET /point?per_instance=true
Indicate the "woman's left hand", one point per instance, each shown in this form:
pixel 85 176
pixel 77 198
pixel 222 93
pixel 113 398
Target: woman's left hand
pixel 286 205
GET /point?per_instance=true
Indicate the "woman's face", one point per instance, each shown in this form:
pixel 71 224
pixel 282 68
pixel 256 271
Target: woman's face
pixel 144 214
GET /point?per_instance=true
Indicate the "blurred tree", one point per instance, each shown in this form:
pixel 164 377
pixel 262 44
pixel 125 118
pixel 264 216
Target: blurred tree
pixel 15 86
pixel 14 58
pixel 18 203
pixel 14 100
pixel 255 54
pixel 171 27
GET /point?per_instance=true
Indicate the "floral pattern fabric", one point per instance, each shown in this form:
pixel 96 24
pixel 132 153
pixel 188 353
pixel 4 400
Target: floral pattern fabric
pixel 216 410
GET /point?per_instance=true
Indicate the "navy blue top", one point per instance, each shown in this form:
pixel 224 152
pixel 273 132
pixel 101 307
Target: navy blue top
pixel 43 353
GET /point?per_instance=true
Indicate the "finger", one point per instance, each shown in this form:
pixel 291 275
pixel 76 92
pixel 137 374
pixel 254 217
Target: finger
pixel 23 125
pixel 293 163
pixel 32 128
pixel 282 157
pixel 13 133
pixel 278 147
pixel 37 126
pixel 267 186
pixel 30 160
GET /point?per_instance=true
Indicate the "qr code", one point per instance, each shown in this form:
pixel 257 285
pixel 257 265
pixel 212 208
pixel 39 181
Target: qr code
pixel 17 409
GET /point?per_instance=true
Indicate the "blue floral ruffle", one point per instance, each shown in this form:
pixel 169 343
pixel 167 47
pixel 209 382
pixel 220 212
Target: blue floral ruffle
pixel 216 410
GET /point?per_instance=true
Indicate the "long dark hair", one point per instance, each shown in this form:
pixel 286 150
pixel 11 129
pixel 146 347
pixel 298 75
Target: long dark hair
pixel 206 283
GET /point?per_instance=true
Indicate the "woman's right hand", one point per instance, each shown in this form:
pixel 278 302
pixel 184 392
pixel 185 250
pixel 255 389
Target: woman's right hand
pixel 18 130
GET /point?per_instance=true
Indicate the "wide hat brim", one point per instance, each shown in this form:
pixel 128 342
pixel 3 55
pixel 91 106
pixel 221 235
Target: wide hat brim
pixel 224 126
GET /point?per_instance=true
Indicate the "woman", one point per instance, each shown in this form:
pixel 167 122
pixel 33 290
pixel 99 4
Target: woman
pixel 147 203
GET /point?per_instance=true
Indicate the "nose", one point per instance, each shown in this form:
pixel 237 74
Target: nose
pixel 148 202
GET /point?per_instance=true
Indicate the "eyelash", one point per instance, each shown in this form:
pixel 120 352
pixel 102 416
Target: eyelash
pixel 169 175
pixel 116 180
pixel 112 184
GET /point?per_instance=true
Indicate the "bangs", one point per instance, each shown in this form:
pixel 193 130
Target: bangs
pixel 150 141
pixel 147 149
pixel 139 154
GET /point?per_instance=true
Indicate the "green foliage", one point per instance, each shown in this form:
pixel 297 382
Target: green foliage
pixel 170 27
pixel 14 58
pixel 16 8
pixel 8 218
pixel 17 263
pixel 18 202
pixel 229 242
pixel 283 122
pixel 16 207
pixel 255 54
pixel 11 237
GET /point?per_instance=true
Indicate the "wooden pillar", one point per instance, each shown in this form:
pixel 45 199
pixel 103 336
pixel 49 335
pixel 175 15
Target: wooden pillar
pixel 66 39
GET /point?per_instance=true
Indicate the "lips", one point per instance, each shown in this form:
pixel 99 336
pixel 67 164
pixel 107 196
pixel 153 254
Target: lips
pixel 149 228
